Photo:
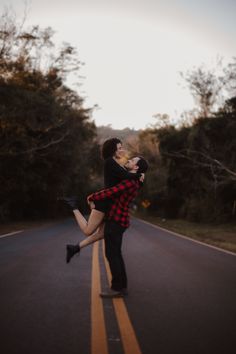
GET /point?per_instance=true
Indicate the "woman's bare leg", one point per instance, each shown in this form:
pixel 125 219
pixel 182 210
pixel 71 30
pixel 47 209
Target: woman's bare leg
pixel 88 227
pixel 96 236
pixel 71 250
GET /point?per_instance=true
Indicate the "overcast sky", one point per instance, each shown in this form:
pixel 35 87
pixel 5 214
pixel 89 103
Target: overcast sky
pixel 133 50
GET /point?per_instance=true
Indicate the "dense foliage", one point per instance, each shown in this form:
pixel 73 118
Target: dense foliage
pixel 46 135
pixel 193 167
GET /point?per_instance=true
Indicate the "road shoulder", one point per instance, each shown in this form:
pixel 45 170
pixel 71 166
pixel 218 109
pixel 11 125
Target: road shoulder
pixel 220 236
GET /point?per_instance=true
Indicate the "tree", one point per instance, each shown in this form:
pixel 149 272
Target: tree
pixel 201 164
pixel 196 160
pixel 206 89
pixel 46 134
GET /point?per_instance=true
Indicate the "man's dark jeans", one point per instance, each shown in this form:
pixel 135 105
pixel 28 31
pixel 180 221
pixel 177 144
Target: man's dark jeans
pixel 113 234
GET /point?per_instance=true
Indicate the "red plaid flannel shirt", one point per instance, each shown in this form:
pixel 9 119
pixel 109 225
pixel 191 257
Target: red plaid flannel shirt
pixel 122 195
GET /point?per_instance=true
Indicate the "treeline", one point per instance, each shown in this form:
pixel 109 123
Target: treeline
pixel 193 167
pixel 106 132
pixel 49 145
pixel 47 137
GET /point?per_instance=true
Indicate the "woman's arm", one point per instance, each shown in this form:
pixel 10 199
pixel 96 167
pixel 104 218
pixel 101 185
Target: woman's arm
pixel 119 188
pixel 116 171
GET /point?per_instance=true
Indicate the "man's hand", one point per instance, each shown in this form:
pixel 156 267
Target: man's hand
pixel 91 205
pixel 141 178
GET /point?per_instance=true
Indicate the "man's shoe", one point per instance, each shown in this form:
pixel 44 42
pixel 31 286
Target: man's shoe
pixel 71 202
pixel 71 250
pixel 111 294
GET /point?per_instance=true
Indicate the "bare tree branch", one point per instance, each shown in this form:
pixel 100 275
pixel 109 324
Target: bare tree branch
pixel 43 147
pixel 212 162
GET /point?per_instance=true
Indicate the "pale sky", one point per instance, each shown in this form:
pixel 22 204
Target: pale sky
pixel 133 50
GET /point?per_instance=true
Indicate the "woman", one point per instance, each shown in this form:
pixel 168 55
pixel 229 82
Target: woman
pixel 112 153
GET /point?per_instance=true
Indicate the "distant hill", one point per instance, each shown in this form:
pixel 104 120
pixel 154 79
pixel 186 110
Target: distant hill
pixel 106 132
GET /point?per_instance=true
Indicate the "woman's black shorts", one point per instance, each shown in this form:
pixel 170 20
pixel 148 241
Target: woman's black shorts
pixel 102 205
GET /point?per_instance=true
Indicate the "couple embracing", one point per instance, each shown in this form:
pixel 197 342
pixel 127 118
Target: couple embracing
pixel 109 217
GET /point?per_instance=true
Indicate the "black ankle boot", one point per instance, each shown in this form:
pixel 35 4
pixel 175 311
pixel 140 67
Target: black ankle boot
pixel 71 250
pixel 71 202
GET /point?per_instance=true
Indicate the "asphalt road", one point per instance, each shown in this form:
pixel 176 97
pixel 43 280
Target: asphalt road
pixel 182 295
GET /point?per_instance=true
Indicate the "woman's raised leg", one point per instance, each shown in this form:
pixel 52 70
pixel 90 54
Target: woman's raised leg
pixel 90 226
pixel 96 236
pixel 71 250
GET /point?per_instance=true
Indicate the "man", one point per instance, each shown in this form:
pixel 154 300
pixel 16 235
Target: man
pixel 116 222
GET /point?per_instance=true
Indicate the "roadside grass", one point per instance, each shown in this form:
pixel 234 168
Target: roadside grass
pixel 219 235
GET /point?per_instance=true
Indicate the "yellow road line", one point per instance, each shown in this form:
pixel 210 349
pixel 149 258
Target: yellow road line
pixel 98 335
pixel 128 337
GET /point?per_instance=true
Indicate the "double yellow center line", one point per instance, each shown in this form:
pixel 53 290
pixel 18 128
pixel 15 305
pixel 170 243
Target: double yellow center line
pixel 99 336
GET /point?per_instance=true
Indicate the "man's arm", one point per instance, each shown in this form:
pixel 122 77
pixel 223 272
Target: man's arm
pixel 119 188
pixel 118 171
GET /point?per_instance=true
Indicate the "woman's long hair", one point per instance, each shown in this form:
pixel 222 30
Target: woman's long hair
pixel 109 147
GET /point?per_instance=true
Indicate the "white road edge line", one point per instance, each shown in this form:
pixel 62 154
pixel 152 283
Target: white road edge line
pixel 11 233
pixel 189 239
